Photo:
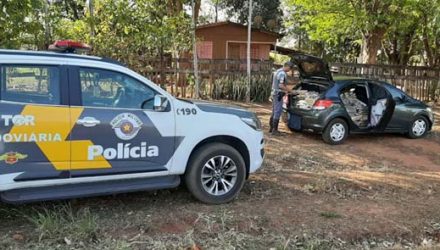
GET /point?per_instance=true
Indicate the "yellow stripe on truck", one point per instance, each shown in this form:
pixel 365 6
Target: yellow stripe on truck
pixel 49 120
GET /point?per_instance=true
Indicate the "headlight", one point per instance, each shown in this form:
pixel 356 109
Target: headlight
pixel 429 110
pixel 253 122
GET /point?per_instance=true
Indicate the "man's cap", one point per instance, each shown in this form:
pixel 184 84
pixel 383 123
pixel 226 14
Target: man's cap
pixel 289 64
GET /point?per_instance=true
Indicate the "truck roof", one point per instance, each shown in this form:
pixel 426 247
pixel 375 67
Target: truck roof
pixel 57 54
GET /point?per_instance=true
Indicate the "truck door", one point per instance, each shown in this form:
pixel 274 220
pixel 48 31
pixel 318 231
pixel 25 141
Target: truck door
pixel 117 129
pixel 34 123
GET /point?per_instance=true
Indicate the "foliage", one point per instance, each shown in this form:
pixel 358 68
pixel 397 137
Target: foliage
pixel 138 29
pixel 398 31
pixel 18 27
pixel 123 30
pixel 429 30
pixel 233 87
pixel 336 21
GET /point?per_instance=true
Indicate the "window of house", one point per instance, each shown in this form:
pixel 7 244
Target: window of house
pixel 204 49
pixel 30 84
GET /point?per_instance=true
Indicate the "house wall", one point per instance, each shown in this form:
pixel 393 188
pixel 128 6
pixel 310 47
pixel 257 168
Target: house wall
pixel 226 34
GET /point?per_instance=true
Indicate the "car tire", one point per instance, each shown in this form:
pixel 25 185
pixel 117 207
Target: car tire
pixel 418 128
pixel 206 171
pixel 335 132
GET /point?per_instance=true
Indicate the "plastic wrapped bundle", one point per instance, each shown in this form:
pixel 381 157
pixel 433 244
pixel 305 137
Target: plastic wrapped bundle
pixel 306 99
pixel 356 109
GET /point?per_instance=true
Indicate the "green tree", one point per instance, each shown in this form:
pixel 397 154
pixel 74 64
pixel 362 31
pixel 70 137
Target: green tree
pixel 430 30
pixel 130 31
pixel 18 24
pixel 365 20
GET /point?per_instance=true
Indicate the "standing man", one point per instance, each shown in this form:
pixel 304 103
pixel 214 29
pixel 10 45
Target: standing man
pixel 279 89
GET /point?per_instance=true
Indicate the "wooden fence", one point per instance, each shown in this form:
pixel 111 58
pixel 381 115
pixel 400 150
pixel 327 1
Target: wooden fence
pixel 177 76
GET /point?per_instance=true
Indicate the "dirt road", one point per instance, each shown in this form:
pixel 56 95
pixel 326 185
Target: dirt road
pixel 380 191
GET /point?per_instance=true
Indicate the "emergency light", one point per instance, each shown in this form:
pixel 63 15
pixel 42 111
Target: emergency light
pixel 68 46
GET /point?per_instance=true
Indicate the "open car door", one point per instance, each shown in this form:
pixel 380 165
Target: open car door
pixel 382 107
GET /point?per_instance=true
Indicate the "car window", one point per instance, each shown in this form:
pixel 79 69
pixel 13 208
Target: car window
pixel 30 84
pixel 395 92
pixel 103 88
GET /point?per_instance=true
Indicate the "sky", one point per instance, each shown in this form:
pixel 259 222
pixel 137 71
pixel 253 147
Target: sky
pixel 208 9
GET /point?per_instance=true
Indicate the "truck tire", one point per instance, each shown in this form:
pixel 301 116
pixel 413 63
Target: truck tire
pixel 335 132
pixel 215 174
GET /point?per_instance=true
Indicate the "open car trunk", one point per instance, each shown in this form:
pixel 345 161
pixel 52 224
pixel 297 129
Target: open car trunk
pixel 306 94
pixel 315 77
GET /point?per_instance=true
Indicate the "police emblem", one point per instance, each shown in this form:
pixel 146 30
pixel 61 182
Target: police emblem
pixel 12 157
pixel 126 126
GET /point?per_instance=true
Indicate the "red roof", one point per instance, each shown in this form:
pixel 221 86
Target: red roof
pixel 212 25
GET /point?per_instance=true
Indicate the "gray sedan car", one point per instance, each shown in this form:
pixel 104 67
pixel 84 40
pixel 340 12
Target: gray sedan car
pixel 338 108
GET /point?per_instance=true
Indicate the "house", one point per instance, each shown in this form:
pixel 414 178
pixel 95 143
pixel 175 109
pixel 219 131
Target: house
pixel 228 40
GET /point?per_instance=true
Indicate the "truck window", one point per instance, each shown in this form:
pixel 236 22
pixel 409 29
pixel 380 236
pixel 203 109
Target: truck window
pixel 30 84
pixel 104 88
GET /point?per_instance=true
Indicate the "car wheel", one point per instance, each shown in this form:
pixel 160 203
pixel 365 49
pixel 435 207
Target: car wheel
pixel 419 128
pixel 216 173
pixel 336 132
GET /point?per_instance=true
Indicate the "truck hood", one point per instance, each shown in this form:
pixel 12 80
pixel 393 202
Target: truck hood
pixel 224 109
pixel 311 67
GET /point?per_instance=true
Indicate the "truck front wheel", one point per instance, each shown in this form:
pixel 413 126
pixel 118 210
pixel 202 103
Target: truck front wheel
pixel 216 173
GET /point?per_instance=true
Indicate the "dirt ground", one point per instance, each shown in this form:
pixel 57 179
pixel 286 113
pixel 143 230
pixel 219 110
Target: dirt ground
pixel 373 192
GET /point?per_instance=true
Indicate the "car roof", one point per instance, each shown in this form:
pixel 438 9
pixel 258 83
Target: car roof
pixel 344 80
pixel 57 55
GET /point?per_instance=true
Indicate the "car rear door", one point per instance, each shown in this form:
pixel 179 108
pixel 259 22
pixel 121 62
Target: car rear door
pixel 34 122
pixel 116 130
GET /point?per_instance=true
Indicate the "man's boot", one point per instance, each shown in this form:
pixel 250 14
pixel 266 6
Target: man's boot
pixel 275 127
pixel 271 124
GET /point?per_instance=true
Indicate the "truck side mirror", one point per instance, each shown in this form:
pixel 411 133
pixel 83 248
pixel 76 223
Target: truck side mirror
pixel 160 103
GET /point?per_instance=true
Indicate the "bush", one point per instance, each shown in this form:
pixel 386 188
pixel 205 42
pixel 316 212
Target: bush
pixel 233 87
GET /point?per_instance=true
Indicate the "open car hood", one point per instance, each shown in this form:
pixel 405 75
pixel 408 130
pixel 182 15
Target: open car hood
pixel 311 67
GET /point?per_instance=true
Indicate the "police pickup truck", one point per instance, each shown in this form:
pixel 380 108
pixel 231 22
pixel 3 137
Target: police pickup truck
pixel 76 126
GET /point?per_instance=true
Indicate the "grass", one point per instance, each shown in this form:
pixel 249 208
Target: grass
pixel 330 215
pixel 62 223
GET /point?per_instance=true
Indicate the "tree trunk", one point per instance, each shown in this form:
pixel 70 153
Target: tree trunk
pixel 372 42
pixel 198 4
pixel 216 11
pixel 426 43
pixel 399 48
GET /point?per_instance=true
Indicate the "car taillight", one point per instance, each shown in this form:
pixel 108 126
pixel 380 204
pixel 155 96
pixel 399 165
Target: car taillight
pixel 322 104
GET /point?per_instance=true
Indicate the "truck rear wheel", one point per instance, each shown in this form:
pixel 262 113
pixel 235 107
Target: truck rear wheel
pixel 216 173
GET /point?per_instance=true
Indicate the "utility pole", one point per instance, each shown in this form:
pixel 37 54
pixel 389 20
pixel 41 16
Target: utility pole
pixel 248 88
pixel 196 61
